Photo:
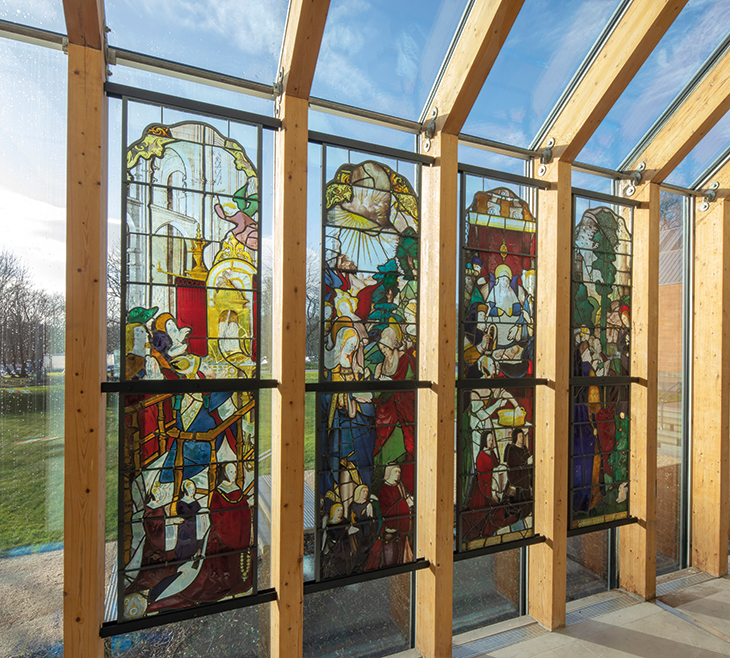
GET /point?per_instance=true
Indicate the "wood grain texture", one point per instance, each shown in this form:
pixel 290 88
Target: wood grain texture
pixel 626 49
pixel 436 355
pixel 85 409
pixel 288 350
pixel 483 36
pixel 705 106
pixel 637 548
pixel 547 573
pixel 710 494
pixel 85 22
pixel 302 39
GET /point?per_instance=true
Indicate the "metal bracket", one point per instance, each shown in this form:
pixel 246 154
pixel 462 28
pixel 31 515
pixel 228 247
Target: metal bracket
pixel 64 45
pixel 709 195
pixel 278 86
pixel 546 156
pixel 429 129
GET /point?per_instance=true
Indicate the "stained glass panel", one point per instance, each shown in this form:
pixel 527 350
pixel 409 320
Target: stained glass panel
pixel 601 334
pixel 367 438
pixel 188 480
pixel 496 466
pixel 495 494
pixel 499 287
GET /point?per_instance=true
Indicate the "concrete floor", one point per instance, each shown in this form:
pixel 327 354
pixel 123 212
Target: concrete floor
pixel 689 619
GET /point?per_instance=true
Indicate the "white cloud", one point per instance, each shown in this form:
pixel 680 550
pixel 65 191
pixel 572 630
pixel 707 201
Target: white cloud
pixel 36 232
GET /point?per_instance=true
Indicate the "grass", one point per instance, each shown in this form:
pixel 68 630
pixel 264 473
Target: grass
pixel 31 471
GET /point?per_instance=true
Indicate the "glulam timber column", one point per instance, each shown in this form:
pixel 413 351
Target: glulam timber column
pixel 290 244
pixel 85 408
pixel 710 380
pixel 637 541
pixel 547 572
pixel 437 341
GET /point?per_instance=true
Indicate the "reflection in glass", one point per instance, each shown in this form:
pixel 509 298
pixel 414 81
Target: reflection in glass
pixel 486 590
pixel 670 412
pixel 587 565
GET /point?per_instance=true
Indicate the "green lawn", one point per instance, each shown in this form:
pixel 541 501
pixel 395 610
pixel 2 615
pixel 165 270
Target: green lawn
pixel 31 471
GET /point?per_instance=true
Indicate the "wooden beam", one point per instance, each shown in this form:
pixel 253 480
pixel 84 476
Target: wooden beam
pixel 84 407
pixel 85 22
pixel 625 50
pixel 436 342
pixel 705 106
pixel 300 50
pixel 710 504
pixel 287 441
pixel 637 550
pixel 547 573
pixel 483 36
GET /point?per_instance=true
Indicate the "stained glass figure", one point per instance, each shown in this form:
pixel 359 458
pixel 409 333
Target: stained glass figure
pixel 188 532
pixel 496 484
pixel 367 437
pixel 499 287
pixel 601 325
pixel 495 492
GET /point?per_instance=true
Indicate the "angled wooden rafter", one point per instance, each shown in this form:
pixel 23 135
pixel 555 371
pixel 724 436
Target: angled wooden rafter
pixel 626 49
pixel 480 41
pixel 85 22
pixel 300 50
pixel 704 107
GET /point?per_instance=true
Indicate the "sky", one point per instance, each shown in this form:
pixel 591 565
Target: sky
pixel 375 54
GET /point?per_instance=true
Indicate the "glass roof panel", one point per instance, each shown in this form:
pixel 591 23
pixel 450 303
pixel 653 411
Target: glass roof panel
pixel 702 156
pixel 691 39
pixel 43 14
pixel 385 56
pixel 236 37
pixel 544 49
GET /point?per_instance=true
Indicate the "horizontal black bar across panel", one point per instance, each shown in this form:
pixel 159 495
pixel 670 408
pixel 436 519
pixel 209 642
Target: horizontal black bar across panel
pixel 145 386
pixel 503 176
pixel 501 382
pixel 498 548
pixel 365 576
pixel 574 532
pixel 173 102
pixel 112 628
pixel 604 381
pixel 609 198
pixel 354 387
pixel 368 148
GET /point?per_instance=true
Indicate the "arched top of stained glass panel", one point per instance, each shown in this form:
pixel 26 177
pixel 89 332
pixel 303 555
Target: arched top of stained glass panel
pixel 192 227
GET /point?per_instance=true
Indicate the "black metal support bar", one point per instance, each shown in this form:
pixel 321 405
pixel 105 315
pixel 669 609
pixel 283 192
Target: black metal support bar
pixel 498 548
pixel 145 96
pixel 501 382
pixel 152 386
pixel 374 385
pixel 608 198
pixel 574 532
pixel 366 576
pixel 604 381
pixel 503 176
pixel 368 148
pixel 112 628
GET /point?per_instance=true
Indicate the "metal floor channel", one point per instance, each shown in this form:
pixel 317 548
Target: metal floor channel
pixel 601 608
pixel 497 641
pixel 685 581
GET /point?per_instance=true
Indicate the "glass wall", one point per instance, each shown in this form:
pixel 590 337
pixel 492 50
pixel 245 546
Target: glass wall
pixel 32 275
pixel 670 411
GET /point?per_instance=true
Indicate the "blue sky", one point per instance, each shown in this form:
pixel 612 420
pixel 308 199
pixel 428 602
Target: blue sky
pixel 375 54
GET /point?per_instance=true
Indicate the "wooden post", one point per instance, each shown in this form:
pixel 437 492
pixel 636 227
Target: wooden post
pixel 85 409
pixel 547 574
pixel 290 245
pixel 710 380
pixel 637 544
pixel 436 345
